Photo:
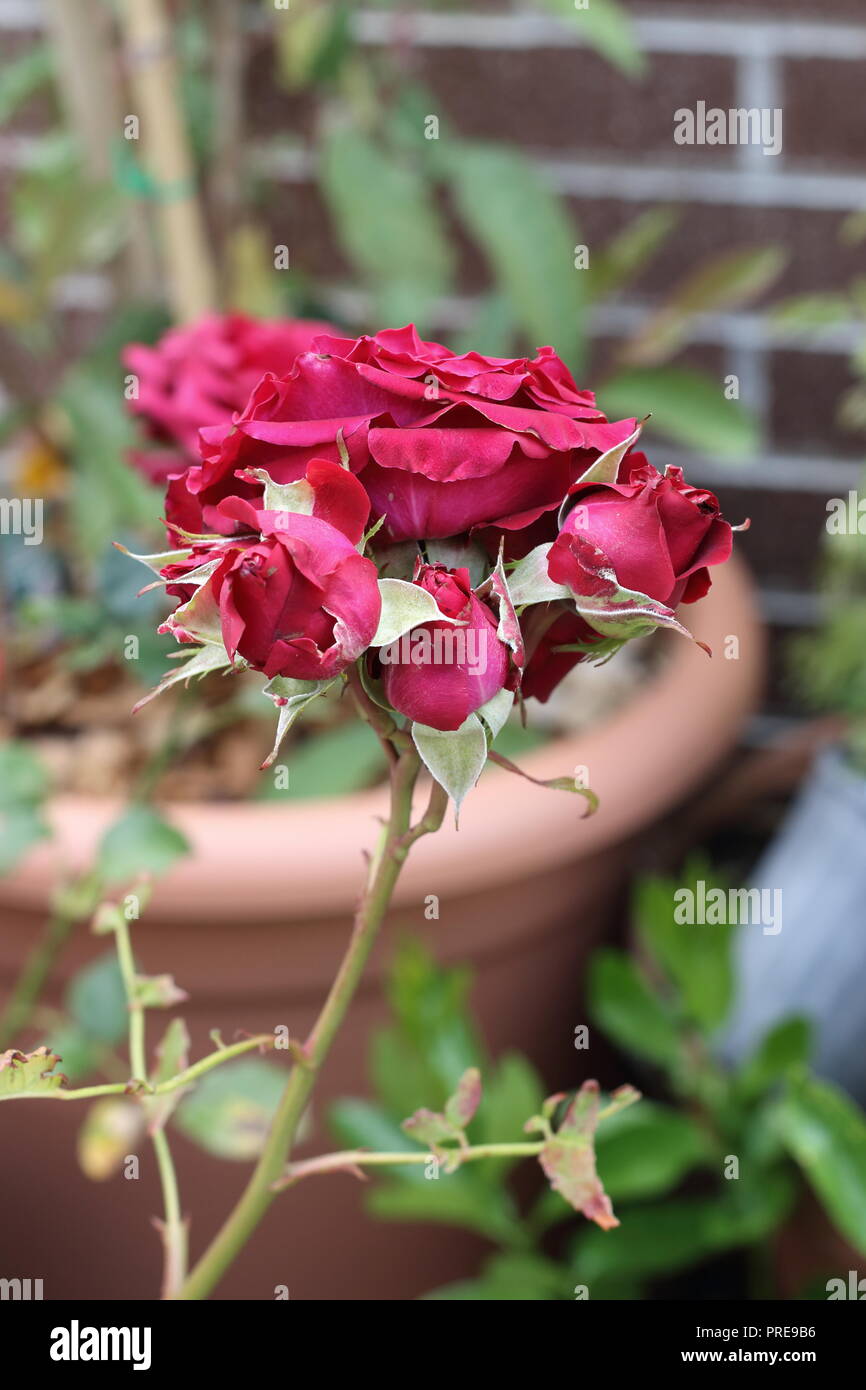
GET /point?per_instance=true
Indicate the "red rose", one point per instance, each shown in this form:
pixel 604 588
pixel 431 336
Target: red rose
pixel 294 596
pixel 549 631
pixel 658 534
pixel 443 443
pixel 201 374
pixel 439 673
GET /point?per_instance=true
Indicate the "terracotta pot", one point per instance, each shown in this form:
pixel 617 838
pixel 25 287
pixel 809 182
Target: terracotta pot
pixel 253 923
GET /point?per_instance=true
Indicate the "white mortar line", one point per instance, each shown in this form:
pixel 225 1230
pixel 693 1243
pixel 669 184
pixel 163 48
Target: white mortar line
pixel 643 182
pixel 650 182
pixel 655 33
pixel 821 475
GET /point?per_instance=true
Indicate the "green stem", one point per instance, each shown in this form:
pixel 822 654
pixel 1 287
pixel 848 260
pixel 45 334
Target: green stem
pixel 126 960
pixel 173 1083
pixel 173 1228
pixel 384 870
pixel 362 1158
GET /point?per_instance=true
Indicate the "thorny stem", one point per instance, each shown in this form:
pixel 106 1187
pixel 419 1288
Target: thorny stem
pixel 173 1229
pixel 348 1159
pixel 173 1083
pixel 384 869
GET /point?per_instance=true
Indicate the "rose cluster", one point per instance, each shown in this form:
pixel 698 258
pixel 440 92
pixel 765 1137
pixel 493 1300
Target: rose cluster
pixel 468 527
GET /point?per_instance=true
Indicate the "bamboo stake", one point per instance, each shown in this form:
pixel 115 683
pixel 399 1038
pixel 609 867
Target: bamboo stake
pixel 81 32
pixel 189 267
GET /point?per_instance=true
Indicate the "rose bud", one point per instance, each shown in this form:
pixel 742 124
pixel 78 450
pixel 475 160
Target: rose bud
pixel 439 673
pixel 299 602
pixel 657 533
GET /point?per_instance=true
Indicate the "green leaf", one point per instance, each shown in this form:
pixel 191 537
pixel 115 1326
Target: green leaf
pixel 626 255
pixel 395 240
pixel 21 79
pixel 455 758
pixel 291 698
pixel 459 551
pixel 400 1075
pixel 826 1133
pixel 29 1073
pixel 404 606
pixel 112 1128
pixel 140 842
pixel 513 1093
pixel 462 1105
pixel 698 958
pixel 230 1111
pixel 23 787
pixel 109 498
pixel 686 406
pixel 626 1009
pixel 491 329
pixel 529 581
pixel 77 1049
pixel 607 27
pixel 664 1237
pixel 434 1018
pixel 646 1150
pixel 510 1278
pixel 358 1124
pixel 197 662
pixel 725 281
pixel 529 240
pixel 568 1158
pixel 455 1199
pixel 96 1000
pixel 605 469
pixel 496 710
pixel 784 1048
pixel 810 312
pixel 311 43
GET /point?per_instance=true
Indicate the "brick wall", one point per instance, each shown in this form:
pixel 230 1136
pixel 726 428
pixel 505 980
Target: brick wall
pixel 606 144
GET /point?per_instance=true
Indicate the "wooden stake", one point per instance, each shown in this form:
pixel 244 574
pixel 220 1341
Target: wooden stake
pixel 186 253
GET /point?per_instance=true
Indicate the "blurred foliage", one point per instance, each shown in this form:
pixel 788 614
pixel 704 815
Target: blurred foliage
pixel 667 1164
pixel 828 666
pixel 23 788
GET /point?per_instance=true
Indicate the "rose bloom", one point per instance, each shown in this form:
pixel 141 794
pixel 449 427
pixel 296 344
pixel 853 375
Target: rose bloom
pixel 657 532
pixel 295 598
pixel 439 673
pixel 200 374
pixel 443 443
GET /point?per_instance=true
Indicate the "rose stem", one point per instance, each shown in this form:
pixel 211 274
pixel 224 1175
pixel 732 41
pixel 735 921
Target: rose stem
pixel 398 836
pixel 174 1227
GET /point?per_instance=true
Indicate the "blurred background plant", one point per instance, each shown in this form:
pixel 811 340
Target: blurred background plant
pixel 828 664
pixel 703 1178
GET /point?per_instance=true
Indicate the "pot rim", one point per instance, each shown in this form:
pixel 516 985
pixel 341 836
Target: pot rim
pixel 304 859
